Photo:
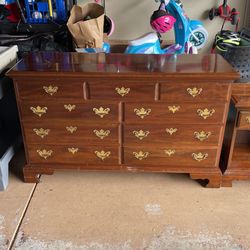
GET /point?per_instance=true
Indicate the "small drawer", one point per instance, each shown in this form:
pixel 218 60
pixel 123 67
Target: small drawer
pixel 195 135
pixel 73 154
pixel 85 111
pixel 170 156
pixel 244 120
pixel 175 112
pixel 63 132
pixel 121 90
pixel 50 89
pixel 194 92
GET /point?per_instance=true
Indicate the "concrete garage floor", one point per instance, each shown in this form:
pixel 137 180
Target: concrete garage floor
pixel 123 211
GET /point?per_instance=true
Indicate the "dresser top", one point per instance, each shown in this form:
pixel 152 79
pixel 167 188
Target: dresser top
pixel 52 63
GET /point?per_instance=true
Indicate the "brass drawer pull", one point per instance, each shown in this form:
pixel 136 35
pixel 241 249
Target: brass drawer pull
pixel 101 133
pixel 141 155
pixel 174 108
pixel 70 107
pixel 199 157
pixel 50 89
pixel 102 154
pixel 205 113
pixel 122 91
pixel 142 112
pixel 41 132
pixel 171 131
pixel 141 134
pixel 71 129
pixel 194 91
pixel 39 110
pixel 44 153
pixel 248 119
pixel 73 150
pixel 169 152
pixel 202 135
pixel 101 111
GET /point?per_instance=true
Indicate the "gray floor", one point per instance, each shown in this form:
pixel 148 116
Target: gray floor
pixel 113 211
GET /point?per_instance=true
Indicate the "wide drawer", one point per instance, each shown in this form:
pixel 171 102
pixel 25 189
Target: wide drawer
pixel 70 131
pixel 194 92
pixel 174 112
pixel 50 89
pixel 244 120
pixel 121 90
pixel 85 111
pixel 172 134
pixel 170 156
pixel 73 154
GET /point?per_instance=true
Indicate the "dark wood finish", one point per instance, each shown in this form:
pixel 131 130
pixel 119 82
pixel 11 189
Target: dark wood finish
pixel 172 134
pixel 244 120
pixel 123 83
pixel 218 91
pixel 67 131
pixel 185 113
pixel 236 146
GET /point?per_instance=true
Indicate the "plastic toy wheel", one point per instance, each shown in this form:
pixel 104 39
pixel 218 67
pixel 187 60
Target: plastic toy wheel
pixel 211 14
pixel 234 17
pixel 198 37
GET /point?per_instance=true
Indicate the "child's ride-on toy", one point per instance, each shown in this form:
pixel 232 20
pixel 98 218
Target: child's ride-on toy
pixel 224 11
pixel 190 35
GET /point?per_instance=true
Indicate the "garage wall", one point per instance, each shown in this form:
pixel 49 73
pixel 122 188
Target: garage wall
pixel 132 16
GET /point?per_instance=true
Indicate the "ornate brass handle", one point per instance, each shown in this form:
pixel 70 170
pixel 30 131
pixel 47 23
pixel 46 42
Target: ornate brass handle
pixel 248 119
pixel 44 153
pixel 205 113
pixel 202 135
pixel 171 131
pixel 141 134
pixel 70 107
pixel 71 129
pixel 50 89
pixel 73 150
pixel 169 152
pixel 41 132
pixel 39 110
pixel 122 91
pixel 102 154
pixel 174 108
pixel 142 112
pixel 141 155
pixel 101 111
pixel 101 133
pixel 199 156
pixel 194 91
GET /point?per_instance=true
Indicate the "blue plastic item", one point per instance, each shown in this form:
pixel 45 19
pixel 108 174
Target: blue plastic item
pixel 150 44
pixel 190 35
pixel 38 11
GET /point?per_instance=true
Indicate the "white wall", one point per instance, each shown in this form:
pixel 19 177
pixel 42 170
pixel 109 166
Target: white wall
pixel 132 16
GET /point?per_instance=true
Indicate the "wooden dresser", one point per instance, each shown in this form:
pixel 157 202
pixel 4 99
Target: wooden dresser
pixel 148 113
pixel 235 159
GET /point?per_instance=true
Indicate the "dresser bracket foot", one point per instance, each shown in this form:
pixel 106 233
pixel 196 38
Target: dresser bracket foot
pixel 214 180
pixel 32 174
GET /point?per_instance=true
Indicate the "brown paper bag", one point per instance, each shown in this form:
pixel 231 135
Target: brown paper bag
pixel 86 25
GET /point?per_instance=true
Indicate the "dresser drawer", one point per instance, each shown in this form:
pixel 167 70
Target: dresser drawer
pixel 121 90
pixel 183 113
pixel 196 135
pixel 50 89
pixel 170 156
pixel 75 131
pixel 85 111
pixel 73 154
pixel 194 92
pixel 244 120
